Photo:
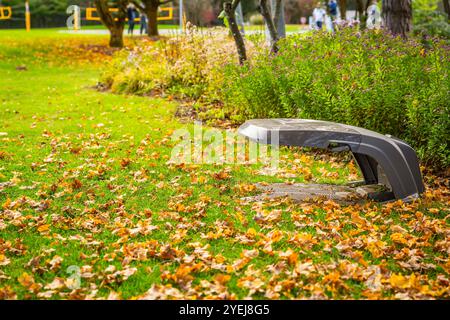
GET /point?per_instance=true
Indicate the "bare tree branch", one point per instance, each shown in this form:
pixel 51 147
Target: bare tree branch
pixel 277 15
pixel 265 12
pixel 231 16
pixel 138 4
pixel 114 22
pixel 235 4
pixel 447 8
pixel 343 8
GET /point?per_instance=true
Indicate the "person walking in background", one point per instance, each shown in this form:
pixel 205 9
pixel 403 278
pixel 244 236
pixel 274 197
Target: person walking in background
pixel 333 10
pixel 319 16
pixel 373 16
pixel 143 22
pixel 131 15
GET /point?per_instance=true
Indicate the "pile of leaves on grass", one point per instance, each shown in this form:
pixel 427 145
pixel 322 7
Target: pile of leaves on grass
pixel 52 51
pixel 95 210
pixel 91 235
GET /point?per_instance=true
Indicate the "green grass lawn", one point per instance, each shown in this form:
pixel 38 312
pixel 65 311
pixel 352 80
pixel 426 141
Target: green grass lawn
pixel 289 27
pixel 85 185
pixel 100 26
pixel 49 33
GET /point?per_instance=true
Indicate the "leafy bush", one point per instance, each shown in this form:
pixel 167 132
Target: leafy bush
pixel 429 21
pixel 365 79
pixel 433 24
pixel 256 19
pixel 370 80
pixel 189 66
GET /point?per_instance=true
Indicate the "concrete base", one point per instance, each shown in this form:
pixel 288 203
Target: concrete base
pixel 301 192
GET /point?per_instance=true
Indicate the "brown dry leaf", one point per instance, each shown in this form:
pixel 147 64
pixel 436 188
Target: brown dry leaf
pixel 289 255
pixel 250 253
pixel 3 276
pixel 6 204
pixel 7 293
pixel 376 247
pixel 398 229
pixel 55 263
pixel 222 175
pixel 56 284
pixel 305 268
pixel 399 238
pixel 26 280
pixel 113 296
pixel 222 278
pixel 46 294
pixel 4 261
pixel 245 188
pixel 125 162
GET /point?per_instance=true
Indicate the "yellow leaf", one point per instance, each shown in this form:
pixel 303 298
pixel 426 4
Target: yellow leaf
pixel 7 203
pixel 399 238
pixel 276 236
pixel 292 259
pixel 26 280
pixel 402 282
pixel 43 228
pixel 222 278
pixel 251 232
pixel 4 260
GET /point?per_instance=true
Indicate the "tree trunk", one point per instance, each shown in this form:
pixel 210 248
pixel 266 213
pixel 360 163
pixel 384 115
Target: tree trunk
pixel 265 12
pixel 397 15
pixel 279 18
pixel 240 45
pixel 115 24
pixel 361 6
pixel 447 8
pixel 343 9
pixel 116 36
pixel 152 20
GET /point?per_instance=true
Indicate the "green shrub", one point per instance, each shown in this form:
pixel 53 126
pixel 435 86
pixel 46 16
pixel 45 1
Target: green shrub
pixel 256 19
pixel 433 24
pixel 367 79
pixel 370 80
pixel 189 66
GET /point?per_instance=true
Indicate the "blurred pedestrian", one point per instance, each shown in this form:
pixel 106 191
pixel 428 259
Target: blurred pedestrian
pixel 131 15
pixel 333 8
pixel 373 16
pixel 319 16
pixel 144 26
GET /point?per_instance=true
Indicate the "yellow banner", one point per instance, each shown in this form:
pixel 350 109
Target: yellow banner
pixel 5 13
pixel 91 11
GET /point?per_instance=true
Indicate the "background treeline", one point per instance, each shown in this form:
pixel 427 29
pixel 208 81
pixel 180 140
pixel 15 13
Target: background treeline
pixel 44 13
pixel 52 13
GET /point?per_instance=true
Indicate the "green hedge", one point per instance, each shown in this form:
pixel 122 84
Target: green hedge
pixel 365 79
